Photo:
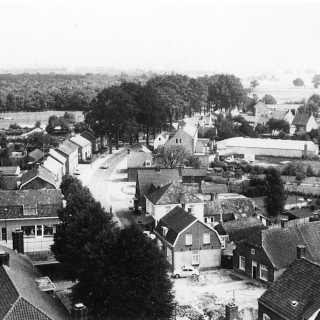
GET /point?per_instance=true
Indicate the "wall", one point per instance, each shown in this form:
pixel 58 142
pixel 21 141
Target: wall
pixel 186 141
pixel 73 161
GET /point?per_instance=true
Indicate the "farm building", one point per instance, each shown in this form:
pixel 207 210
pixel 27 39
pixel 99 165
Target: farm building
pixel 267 147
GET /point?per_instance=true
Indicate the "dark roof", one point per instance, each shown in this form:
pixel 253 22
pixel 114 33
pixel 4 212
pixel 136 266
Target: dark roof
pixel 191 172
pixel 172 193
pixel 298 213
pixel 9 171
pixel 40 172
pixel 36 155
pixel 30 197
pixel 301 119
pixel 300 283
pixel 138 159
pixel 215 187
pixel 239 230
pixel 86 133
pixel 280 244
pixel 30 302
pixel 176 221
pixel 67 147
pixel 11 182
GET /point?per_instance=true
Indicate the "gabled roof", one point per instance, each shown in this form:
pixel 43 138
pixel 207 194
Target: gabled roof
pixel 138 159
pixel 190 130
pixel 176 221
pixel 191 172
pixel 87 132
pixel 239 230
pixel 173 193
pixel 67 147
pixel 280 244
pixel 300 283
pixel 36 155
pixel 144 149
pixel 80 141
pixel 299 213
pixel 20 297
pixel 301 119
pixel 52 165
pixel 11 198
pixel 53 153
pixel 40 172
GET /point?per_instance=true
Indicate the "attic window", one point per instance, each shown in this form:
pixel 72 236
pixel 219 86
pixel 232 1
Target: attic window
pixel 148 163
pixel 165 230
pixel 294 303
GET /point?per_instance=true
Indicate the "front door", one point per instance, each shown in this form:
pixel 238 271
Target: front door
pixel 254 269
pixel 3 234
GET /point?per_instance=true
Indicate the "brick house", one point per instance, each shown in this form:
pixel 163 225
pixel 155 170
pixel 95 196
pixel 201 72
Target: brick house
pixel 139 160
pixel 33 211
pixel 304 122
pixel 186 137
pixel 21 298
pixel 295 294
pixel 39 178
pixel 267 254
pixel 187 241
pixel 161 200
pixel 70 151
pixel 95 142
pixel 84 147
pixel 156 176
pixel 233 233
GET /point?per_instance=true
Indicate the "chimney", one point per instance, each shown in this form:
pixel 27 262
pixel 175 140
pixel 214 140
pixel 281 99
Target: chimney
pixel 79 312
pixel 128 151
pixel 37 167
pixel 189 210
pixel 283 222
pixel 305 152
pixel 301 252
pixel 161 184
pixel 181 199
pixel 212 196
pixel 17 241
pixel 231 311
pixel 4 259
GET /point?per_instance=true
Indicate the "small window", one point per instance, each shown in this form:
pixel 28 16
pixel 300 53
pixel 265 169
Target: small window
pixel 188 239
pixel 265 317
pixel 242 263
pixel 159 139
pixel 180 140
pixel 195 258
pixel 165 230
pixel 211 219
pixel 148 163
pixel 263 272
pixel 253 251
pixel 205 220
pixel 223 242
pixel 206 238
pixel 176 140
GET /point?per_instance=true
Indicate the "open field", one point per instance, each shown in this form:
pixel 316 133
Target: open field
pixel 29 118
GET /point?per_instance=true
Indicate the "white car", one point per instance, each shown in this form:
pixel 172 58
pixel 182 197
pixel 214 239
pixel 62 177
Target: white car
pixel 230 160
pixel 76 171
pixel 104 166
pixel 185 271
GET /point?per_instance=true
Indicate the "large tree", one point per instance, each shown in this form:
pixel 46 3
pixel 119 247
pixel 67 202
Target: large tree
pixel 254 84
pixel 275 192
pixel 316 80
pixel 172 156
pixel 278 125
pixel 269 99
pixel 298 82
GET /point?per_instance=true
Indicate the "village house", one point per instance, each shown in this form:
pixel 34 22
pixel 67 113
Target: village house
pixel 22 295
pixel 157 177
pixel 304 122
pixel 161 200
pixel 191 175
pixel 233 233
pixel 34 157
pixel 160 140
pixel 187 241
pixel 227 207
pixel 295 294
pixel 95 141
pixel 55 166
pixel 84 148
pixel 267 254
pixel 70 151
pixel 139 160
pixel 32 211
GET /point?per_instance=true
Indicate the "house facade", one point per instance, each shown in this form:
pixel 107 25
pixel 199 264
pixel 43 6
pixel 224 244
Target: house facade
pixel 70 151
pixel 84 148
pixel 139 160
pixel 187 241
pixel 95 142
pixel 160 140
pixel 161 200
pixel 304 122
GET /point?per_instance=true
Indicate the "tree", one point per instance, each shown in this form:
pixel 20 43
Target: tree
pixel 275 192
pixel 37 124
pixel 278 125
pixel 172 156
pixel 298 82
pixel 316 80
pixel 269 99
pixel 254 84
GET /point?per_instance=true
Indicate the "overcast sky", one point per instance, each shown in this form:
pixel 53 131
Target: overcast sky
pixel 235 37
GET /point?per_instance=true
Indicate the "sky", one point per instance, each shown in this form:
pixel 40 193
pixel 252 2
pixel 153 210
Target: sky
pixel 236 37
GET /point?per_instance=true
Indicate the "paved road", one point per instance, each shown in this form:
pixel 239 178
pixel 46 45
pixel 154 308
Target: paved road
pixel 110 186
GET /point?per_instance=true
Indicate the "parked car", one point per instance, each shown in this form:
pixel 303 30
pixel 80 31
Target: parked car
pixel 185 271
pixel 230 160
pixel 104 166
pixel 76 171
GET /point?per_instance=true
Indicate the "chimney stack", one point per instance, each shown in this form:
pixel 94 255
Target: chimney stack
pixel 37 167
pixel 301 252
pixel 128 151
pixel 212 196
pixel 17 241
pixel 79 312
pixel 4 259
pixel 305 153
pixel 189 210
pixel 231 311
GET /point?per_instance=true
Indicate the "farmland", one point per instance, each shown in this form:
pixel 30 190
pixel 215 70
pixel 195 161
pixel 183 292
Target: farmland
pixel 29 118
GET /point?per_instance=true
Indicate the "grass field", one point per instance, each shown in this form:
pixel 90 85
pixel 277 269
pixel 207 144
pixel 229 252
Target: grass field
pixel 29 118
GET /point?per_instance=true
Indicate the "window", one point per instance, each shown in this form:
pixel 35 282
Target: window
pixel 206 238
pixel 148 163
pixel 28 231
pixel 242 262
pixel 263 272
pixel 223 242
pixel 195 257
pixel 47 230
pixel 188 239
pixel 159 139
pixel 39 231
pixel 253 251
pixel 176 140
pixel 29 211
pixel 205 220
pixel 165 230
pixel 180 140
pixel 265 317
pixel 168 208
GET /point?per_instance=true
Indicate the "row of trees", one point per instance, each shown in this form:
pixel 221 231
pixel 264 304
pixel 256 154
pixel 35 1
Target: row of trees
pixel 118 273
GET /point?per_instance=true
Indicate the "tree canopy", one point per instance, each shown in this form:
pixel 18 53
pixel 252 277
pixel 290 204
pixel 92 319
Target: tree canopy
pixel 269 99
pixel 254 84
pixel 316 80
pixel 172 156
pixel 298 82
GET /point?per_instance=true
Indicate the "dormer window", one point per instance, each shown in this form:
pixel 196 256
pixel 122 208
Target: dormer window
pixel 294 303
pixel 164 231
pixel 148 163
